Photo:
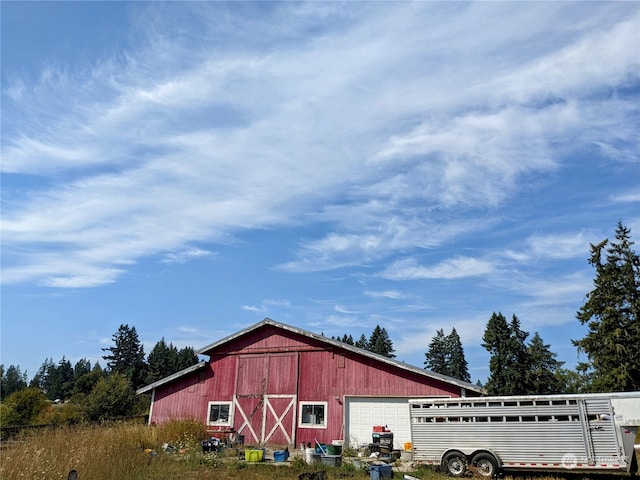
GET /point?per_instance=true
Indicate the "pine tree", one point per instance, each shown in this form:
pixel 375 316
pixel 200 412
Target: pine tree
pixel 446 356
pixel 362 342
pixel 161 362
pixel 186 358
pixel 436 357
pixel 544 369
pixel 12 380
pixel 82 367
pixel 519 363
pixel 39 380
pixel 612 315
pixel 457 364
pixel 496 340
pixel 60 380
pixel 127 356
pixel 348 339
pixel 55 380
pixel 380 343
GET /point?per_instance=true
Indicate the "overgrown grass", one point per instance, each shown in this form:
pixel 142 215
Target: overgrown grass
pixel 134 451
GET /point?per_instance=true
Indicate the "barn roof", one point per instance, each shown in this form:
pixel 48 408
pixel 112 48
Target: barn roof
pixel 210 349
pixel 172 377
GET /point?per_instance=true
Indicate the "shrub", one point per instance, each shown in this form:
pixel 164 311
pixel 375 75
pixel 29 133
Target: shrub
pixel 23 407
pixel 112 397
pixel 64 414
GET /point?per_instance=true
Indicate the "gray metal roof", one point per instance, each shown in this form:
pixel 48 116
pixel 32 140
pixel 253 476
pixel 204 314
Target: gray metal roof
pixel 172 377
pixel 321 338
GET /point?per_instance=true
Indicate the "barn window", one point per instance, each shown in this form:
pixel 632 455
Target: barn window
pixel 219 414
pixel 313 414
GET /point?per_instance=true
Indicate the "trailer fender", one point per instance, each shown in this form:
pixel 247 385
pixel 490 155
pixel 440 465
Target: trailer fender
pixel 485 463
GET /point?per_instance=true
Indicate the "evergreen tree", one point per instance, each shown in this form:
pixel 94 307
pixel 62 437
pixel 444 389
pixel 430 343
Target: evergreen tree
pixel 39 380
pixel 446 356
pixel 186 358
pixel 127 356
pixel 164 360
pixel 12 380
pixel 543 373
pixel 516 368
pixel 161 361
pixel 457 364
pixel 519 362
pixel 496 340
pixel 60 380
pixel 612 315
pixel 348 339
pixel 56 381
pixel 380 343
pixel 362 342
pixel 436 357
pixel 82 367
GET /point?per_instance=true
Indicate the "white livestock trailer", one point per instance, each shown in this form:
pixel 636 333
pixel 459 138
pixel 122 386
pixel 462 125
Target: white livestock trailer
pixel 484 435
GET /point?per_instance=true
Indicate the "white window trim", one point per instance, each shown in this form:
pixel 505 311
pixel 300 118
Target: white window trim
pixel 323 425
pixel 220 424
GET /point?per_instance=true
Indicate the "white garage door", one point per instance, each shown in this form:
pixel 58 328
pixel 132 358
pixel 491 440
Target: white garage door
pixel 362 413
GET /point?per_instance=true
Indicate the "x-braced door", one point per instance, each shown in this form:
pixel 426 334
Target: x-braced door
pixel 265 400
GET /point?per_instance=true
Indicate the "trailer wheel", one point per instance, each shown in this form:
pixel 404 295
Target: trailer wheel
pixel 485 465
pixel 454 464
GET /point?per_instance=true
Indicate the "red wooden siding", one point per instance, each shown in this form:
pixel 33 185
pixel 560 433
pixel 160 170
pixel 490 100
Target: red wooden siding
pixel 185 398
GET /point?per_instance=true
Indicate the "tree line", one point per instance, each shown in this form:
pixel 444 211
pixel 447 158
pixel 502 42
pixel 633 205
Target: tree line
pixel 516 366
pixel 90 392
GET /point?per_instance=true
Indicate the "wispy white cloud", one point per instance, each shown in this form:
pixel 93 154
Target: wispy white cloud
pixel 342 321
pixel 558 246
pixel 345 310
pixel 631 197
pixel 268 305
pixel 453 268
pixel 252 308
pixel 186 255
pixel 174 142
pixel 393 294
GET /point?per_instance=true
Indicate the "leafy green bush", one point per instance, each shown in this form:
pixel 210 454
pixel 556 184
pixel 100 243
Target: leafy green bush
pixel 112 397
pixel 23 407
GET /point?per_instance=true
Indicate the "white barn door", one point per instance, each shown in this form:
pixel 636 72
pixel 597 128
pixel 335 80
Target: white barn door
pixel 362 413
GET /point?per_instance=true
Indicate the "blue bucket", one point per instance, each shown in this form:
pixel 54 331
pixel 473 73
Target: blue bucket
pixel 280 456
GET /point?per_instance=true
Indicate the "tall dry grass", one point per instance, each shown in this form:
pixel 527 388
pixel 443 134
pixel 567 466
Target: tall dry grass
pixel 104 452
pixel 119 451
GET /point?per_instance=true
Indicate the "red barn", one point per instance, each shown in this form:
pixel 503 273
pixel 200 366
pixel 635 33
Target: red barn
pixel 280 385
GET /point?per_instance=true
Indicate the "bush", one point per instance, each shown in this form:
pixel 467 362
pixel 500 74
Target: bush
pixel 64 414
pixel 112 397
pixel 23 407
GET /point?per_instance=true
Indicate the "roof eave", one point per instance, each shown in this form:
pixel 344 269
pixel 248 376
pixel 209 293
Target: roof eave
pixel 172 377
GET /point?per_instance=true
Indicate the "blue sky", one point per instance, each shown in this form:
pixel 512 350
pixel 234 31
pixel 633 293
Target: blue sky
pixel 191 168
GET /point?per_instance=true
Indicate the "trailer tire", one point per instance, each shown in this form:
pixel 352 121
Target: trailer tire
pixel 454 464
pixel 485 465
